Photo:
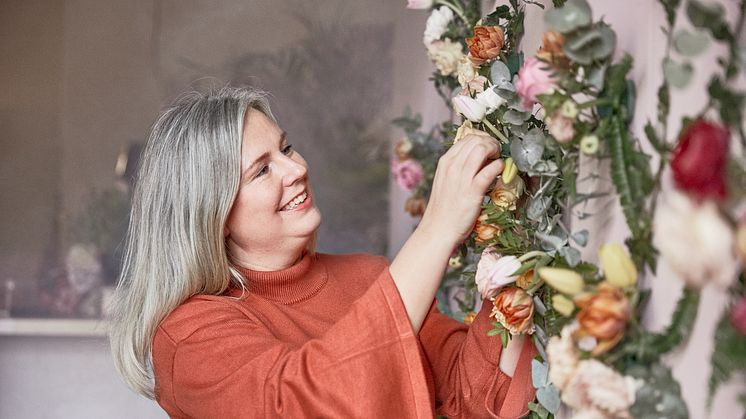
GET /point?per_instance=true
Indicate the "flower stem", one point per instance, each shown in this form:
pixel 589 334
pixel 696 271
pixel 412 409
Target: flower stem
pixel 530 255
pixel 503 139
pixel 592 103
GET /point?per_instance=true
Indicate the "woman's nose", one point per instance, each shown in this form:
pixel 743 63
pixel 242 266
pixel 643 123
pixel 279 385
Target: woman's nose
pixel 294 171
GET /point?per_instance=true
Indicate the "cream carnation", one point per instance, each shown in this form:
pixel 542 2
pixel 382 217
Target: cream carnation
pixel 695 241
pixel 563 357
pixel 446 55
pixel 595 386
pixel 436 24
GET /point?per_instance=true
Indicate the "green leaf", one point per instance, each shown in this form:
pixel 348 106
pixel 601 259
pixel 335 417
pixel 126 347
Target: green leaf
pixel 527 152
pixel 580 237
pixel 572 15
pixel 664 101
pixel 709 16
pixel 538 410
pixel 493 19
pixel 677 74
pixel 549 398
pixel 500 73
pixel 728 356
pixel 539 373
pixel 730 101
pixel 660 395
pixel 652 136
pixel 690 43
pixel 670 7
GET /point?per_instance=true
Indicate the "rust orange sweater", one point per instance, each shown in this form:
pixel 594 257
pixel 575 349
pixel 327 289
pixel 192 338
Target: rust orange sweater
pixel 329 337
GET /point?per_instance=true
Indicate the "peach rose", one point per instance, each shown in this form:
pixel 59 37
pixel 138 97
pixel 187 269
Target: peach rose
pixel 604 316
pixel 551 48
pixel 485 232
pixel 415 206
pixel 486 43
pixel 514 309
pixel 506 195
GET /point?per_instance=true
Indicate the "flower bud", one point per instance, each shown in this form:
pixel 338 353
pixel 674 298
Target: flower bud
pixel 563 280
pixel 510 171
pixel 618 268
pixel 589 144
pixel 563 305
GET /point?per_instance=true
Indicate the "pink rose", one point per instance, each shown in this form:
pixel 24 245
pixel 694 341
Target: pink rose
pixel 494 271
pixel 534 79
pixel 738 316
pixel 408 173
pixel 561 127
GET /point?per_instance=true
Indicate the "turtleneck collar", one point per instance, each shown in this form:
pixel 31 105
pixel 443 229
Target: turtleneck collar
pixel 290 285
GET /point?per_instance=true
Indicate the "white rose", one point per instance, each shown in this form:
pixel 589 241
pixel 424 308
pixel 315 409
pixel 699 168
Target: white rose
pixel 470 108
pixel 490 100
pixel 695 241
pixel 436 24
pixel 446 55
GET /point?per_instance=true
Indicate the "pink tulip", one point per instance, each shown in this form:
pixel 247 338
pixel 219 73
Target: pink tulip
pixel 495 271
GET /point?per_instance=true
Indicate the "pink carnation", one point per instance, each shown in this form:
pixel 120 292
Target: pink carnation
pixel 495 271
pixel 408 173
pixel 738 316
pixel 534 79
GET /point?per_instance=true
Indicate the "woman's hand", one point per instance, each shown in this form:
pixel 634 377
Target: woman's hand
pixel 461 180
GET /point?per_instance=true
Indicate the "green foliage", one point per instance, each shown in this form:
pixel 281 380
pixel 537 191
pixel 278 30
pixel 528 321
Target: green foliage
pixel 730 101
pixel 709 16
pixel 500 330
pixel 728 357
pixel 660 395
pixel 670 7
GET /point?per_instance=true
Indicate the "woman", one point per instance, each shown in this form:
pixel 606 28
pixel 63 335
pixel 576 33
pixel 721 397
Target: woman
pixel 225 310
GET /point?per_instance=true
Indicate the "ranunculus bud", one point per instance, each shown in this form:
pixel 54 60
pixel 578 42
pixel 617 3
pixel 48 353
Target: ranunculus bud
pixel 551 48
pixel 738 316
pixel 563 280
pixel 699 161
pixel 514 309
pixel 603 315
pixel 618 268
pixel 486 43
pixel 415 206
pixel 403 148
pixel 534 78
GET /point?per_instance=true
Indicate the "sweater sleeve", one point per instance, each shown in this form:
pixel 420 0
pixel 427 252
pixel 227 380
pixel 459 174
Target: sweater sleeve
pixel 368 364
pixel 465 366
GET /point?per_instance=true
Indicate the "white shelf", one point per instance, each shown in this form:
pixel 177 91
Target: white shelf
pixel 53 327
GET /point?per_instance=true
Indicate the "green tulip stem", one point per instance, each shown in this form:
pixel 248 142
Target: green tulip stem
pixel 503 139
pixel 592 103
pixel 530 255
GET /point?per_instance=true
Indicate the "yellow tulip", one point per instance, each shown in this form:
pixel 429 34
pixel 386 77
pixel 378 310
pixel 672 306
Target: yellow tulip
pixel 563 280
pixel 510 171
pixel 618 268
pixel 563 305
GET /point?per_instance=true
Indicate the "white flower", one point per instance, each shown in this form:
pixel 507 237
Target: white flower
pixel 469 107
pixel 419 4
pixel 490 100
pixel 563 357
pixel 83 268
pixel 446 55
pixel 595 386
pixel 466 71
pixel 494 271
pixel 695 241
pixel 436 24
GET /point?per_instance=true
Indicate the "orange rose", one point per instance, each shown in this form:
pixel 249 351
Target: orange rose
pixel 551 48
pixel 514 309
pixel 485 232
pixel 486 43
pixel 415 206
pixel 603 315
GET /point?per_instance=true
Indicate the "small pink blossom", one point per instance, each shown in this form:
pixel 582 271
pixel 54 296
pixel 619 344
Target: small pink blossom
pixel 561 127
pixel 738 316
pixel 495 271
pixel 408 173
pixel 534 79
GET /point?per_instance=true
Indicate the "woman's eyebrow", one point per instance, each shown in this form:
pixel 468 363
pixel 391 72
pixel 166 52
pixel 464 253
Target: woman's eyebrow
pixel 283 138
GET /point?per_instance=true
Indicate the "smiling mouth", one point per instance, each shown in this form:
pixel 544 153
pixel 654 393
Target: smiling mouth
pixel 295 201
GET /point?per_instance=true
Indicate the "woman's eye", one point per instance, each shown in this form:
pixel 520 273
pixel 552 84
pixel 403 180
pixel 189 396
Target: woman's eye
pixel 287 149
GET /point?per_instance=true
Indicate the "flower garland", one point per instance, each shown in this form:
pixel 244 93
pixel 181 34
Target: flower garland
pixel 572 100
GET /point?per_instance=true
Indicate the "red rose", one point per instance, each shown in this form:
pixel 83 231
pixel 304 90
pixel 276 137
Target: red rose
pixel 699 161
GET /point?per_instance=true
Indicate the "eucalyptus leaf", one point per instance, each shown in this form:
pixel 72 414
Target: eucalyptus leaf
pixel 593 44
pixel 545 167
pixel 580 237
pixel 549 398
pixel 572 256
pixel 514 117
pixel 499 73
pixel 677 74
pixel 596 77
pixel 537 207
pixel 539 373
pixel 690 43
pixel 526 152
pixel 709 15
pixel 550 242
pixel 574 14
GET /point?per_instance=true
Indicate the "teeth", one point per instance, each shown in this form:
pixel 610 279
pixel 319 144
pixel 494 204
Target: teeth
pixel 295 202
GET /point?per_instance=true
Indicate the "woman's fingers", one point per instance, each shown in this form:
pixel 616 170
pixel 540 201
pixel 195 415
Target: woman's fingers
pixel 484 178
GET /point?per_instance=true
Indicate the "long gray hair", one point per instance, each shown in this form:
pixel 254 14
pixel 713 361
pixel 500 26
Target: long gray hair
pixel 175 247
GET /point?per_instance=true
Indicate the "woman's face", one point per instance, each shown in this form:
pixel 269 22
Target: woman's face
pixel 274 215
